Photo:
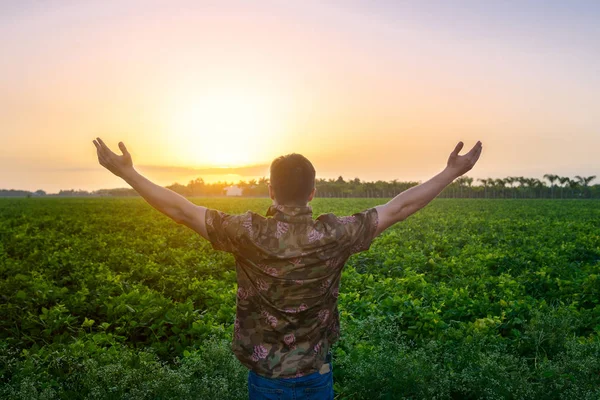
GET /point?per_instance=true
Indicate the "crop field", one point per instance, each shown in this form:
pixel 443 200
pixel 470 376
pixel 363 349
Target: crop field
pixel 467 299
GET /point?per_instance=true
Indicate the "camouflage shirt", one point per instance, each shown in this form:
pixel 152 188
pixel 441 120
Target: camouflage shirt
pixel 288 273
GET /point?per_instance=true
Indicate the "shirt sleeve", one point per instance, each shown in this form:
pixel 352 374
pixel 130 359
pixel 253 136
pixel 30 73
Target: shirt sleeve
pixel 225 231
pixel 360 229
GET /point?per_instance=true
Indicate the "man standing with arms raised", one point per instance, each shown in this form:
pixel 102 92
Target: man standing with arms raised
pixel 288 265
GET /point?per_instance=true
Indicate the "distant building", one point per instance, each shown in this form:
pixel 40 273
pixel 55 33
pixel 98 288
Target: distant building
pixel 234 190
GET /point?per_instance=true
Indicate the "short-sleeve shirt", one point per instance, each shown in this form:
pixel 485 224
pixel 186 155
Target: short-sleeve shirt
pixel 288 274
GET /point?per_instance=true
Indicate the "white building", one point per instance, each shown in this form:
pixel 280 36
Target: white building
pixel 234 190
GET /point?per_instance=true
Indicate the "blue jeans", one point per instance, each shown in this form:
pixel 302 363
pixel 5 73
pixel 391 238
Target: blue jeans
pixel 308 387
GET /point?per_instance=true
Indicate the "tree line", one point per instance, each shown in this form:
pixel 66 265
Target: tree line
pixel 462 187
pixel 512 187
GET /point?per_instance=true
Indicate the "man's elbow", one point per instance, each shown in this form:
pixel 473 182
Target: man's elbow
pixel 401 216
pixel 406 212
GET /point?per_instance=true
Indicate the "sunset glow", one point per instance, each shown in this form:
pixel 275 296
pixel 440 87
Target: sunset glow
pixel 225 128
pixel 375 90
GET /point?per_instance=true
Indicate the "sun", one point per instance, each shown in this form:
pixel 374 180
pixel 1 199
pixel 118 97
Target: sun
pixel 224 128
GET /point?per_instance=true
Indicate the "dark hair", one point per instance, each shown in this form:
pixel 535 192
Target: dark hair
pixel 292 179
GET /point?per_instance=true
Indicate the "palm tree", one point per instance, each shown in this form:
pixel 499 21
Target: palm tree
pixel 527 184
pixel 538 187
pixel 530 184
pixel 522 183
pixel 589 179
pixel 564 180
pixel 585 181
pixel 461 182
pixel 573 184
pixel 552 178
pixel 469 182
pixel 510 180
pixel 485 183
pixel 500 183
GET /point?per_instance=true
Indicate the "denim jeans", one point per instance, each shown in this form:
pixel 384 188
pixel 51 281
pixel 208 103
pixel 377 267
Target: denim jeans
pixel 308 387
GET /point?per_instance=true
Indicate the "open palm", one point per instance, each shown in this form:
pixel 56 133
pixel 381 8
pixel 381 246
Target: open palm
pixel 462 164
pixel 118 165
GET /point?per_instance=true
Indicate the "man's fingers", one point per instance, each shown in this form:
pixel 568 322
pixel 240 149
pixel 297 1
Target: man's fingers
pixel 472 155
pixel 475 156
pixel 102 159
pixel 474 149
pixel 123 148
pixel 102 156
pixel 479 152
pixel 102 144
pixel 457 149
pixel 105 147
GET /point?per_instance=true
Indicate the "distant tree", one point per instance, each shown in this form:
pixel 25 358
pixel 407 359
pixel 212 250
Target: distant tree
pixel 253 188
pixel 585 181
pixel 14 193
pixel 179 188
pixel 589 179
pixel 538 187
pixel 462 182
pixel 564 180
pixel 469 181
pixel 551 178
pixel 573 185
pixel 522 185
pixel 485 183
pixel 262 187
pixel 338 187
pixel 196 187
pixel 510 181
pixel 500 184
pixel 531 184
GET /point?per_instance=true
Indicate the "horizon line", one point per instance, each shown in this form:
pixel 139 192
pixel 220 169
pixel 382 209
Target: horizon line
pixel 346 180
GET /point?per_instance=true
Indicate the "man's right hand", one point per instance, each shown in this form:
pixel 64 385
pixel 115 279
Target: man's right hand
pixel 172 204
pixel 459 165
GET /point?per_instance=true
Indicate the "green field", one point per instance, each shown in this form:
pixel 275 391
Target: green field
pixel 467 299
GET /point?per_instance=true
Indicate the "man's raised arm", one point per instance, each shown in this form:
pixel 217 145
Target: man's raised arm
pixel 164 200
pixel 417 197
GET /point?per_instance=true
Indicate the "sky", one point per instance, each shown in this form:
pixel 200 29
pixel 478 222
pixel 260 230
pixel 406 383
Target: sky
pixel 368 89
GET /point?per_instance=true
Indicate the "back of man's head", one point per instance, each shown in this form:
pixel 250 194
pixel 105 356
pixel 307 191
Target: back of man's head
pixel 292 179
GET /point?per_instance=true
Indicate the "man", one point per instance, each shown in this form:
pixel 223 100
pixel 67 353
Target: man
pixel 288 265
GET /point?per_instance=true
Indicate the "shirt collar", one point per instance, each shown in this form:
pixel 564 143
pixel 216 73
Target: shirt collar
pixel 290 213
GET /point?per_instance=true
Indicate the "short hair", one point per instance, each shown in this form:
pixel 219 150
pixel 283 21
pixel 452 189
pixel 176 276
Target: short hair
pixel 292 179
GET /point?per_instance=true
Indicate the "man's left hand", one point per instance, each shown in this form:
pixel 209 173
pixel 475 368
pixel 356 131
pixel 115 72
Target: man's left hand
pixel 118 165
